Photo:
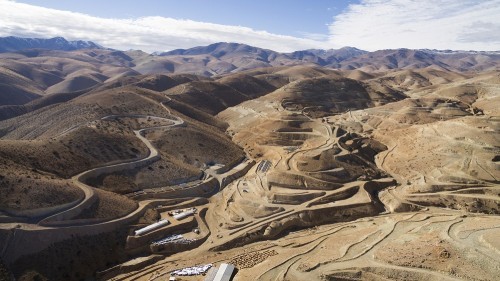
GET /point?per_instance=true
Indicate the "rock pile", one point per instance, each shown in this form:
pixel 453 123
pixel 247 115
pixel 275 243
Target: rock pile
pixel 193 270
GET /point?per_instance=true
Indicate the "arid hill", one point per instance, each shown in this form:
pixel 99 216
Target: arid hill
pixel 314 165
pixel 30 68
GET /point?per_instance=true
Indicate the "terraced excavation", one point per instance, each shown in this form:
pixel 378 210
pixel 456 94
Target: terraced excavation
pixel 288 173
pixel 329 176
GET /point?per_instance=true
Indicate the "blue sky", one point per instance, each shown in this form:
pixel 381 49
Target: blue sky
pixel 287 17
pixel 160 25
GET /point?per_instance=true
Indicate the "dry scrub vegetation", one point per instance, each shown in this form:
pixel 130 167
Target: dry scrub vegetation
pixel 27 189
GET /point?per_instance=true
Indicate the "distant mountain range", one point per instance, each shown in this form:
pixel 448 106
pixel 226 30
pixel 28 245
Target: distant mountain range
pixel 223 58
pixel 243 57
pixel 12 44
pixel 317 56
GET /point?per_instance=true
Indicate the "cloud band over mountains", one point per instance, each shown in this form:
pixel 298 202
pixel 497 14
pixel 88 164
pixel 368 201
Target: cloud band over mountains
pixel 147 33
pixel 418 24
pixel 370 25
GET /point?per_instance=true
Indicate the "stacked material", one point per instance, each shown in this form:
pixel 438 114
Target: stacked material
pixel 190 271
pixel 248 260
pixel 264 166
pixel 168 239
pixel 176 238
pixel 184 241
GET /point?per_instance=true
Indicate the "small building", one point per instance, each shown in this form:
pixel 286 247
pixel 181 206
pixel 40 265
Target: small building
pixel 224 273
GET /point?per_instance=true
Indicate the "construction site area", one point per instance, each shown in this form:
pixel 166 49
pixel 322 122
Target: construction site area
pixel 280 173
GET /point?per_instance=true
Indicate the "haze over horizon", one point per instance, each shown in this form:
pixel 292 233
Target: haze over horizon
pixel 161 26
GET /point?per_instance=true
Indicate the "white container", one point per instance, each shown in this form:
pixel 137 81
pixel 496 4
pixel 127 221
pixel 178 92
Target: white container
pixel 184 214
pixel 151 227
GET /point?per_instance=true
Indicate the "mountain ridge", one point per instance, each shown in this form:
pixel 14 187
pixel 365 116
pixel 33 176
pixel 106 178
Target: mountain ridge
pixel 61 43
pixel 28 74
pixel 13 43
pixel 347 58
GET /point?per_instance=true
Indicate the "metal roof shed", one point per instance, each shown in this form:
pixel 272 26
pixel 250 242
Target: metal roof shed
pixel 224 273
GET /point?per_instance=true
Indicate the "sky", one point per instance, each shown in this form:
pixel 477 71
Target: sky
pixel 280 25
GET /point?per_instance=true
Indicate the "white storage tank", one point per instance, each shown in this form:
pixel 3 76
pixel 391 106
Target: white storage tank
pixel 184 214
pixel 151 227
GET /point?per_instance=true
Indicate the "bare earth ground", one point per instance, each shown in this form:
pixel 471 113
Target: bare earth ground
pixel 440 151
pixel 343 180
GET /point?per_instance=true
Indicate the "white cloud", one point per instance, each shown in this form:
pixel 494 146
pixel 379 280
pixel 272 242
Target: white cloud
pixel 147 33
pixel 435 24
pixel 314 36
pixel 369 25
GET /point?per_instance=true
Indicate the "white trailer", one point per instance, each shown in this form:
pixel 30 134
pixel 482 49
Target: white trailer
pixel 185 214
pixel 151 227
